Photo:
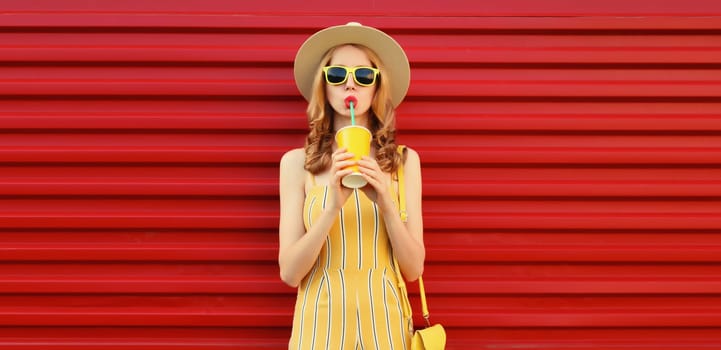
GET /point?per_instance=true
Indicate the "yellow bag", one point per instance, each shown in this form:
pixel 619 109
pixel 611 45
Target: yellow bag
pixel 431 337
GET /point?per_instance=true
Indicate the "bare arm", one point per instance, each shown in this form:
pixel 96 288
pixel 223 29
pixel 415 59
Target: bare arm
pixel 406 238
pixel 299 249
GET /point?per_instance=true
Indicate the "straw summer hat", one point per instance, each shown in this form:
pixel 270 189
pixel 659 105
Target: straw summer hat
pixel 388 50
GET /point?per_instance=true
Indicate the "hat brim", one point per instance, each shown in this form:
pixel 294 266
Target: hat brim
pixel 397 68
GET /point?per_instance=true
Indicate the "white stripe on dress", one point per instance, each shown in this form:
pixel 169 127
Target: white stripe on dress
pixel 302 308
pixel 342 237
pixel 373 311
pixel 359 223
pixel 376 226
pixel 400 312
pixel 388 316
pixel 343 308
pixel 330 310
pixel 315 313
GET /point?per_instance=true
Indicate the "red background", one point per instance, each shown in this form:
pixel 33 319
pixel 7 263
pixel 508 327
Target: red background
pixel 571 153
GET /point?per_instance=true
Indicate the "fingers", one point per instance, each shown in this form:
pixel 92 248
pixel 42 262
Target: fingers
pixel 371 171
pixel 340 174
pixel 369 165
pixel 342 160
pixel 341 155
pixel 341 163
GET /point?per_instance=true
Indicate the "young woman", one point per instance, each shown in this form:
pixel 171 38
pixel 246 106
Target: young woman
pixel 337 245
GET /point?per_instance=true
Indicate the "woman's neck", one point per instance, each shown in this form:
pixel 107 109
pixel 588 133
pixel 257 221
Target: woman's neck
pixel 340 121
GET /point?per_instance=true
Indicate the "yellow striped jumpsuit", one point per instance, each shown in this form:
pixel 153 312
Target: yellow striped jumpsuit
pixel 350 299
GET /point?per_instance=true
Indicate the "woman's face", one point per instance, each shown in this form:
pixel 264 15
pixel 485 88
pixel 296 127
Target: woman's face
pixel 350 56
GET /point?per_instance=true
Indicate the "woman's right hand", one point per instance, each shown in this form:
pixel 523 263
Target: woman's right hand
pixel 340 162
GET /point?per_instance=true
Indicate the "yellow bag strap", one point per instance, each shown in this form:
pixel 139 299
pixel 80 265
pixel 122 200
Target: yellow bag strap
pixel 402 187
pixel 404 218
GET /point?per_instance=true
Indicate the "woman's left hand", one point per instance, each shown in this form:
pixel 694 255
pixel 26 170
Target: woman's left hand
pixel 378 181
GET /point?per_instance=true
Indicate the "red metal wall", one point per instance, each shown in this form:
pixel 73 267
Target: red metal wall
pixel 571 152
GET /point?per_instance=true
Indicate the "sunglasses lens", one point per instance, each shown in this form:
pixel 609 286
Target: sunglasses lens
pixel 336 75
pixel 365 76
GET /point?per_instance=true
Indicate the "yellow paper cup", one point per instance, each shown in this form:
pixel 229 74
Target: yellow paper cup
pixel 357 140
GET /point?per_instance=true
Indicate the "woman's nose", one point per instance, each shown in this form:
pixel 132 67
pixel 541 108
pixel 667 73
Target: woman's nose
pixel 350 82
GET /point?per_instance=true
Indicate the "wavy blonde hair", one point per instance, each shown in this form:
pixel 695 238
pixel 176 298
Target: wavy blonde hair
pixel 319 142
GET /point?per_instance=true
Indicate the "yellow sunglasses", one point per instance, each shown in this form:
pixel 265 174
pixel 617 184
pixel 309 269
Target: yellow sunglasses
pixel 363 76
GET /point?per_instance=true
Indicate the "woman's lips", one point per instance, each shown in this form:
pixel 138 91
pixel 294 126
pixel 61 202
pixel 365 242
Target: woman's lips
pixel 350 99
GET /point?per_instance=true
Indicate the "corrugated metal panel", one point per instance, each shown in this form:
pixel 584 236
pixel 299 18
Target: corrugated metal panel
pixel 572 170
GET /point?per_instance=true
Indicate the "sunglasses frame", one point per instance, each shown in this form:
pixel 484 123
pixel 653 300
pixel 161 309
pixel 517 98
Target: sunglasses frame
pixel 351 71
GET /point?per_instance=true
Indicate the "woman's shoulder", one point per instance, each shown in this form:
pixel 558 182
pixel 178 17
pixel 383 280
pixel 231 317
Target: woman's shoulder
pixel 412 156
pixel 293 159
